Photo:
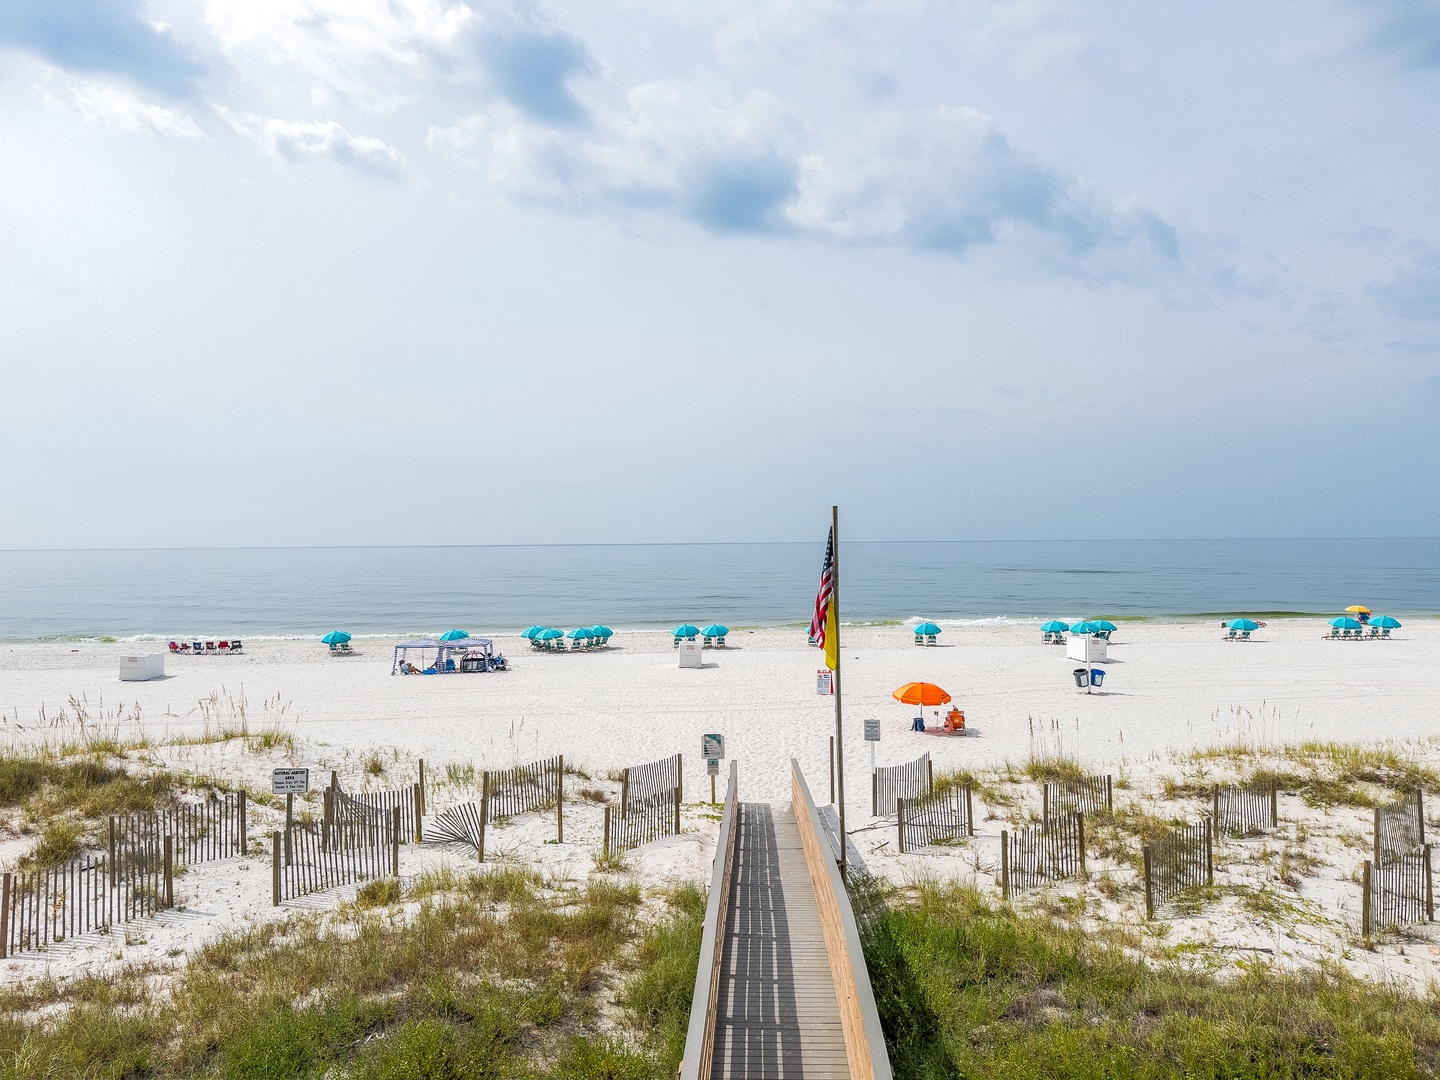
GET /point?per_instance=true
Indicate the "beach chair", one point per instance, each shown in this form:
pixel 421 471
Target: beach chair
pixel 1385 631
pixel 708 643
pixel 1103 635
pixel 677 641
pixel 929 639
pixel 197 646
pixel 720 641
pixel 1232 635
pixel 236 646
pixel 919 639
pixel 1244 635
pixel 174 647
pixel 209 646
pixel 224 646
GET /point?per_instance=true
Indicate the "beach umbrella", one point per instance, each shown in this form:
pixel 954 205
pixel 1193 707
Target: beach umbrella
pixel 335 637
pixel 715 630
pixel 601 631
pixel 1358 609
pixel 921 693
pixel 1084 627
pixel 1101 624
pixel 1386 622
pixel 454 635
pixel 685 630
pixel 1055 626
pixel 581 633
pixel 1345 623
pixel 1243 624
pixel 549 634
pixel 927 628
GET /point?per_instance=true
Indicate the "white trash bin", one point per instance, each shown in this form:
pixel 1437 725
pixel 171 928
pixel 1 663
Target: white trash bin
pixel 142 667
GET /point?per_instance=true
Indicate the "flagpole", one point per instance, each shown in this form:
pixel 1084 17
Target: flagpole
pixel 839 729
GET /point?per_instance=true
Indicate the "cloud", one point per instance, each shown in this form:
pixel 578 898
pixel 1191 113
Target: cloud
pixel 304 140
pixel 1414 291
pixel 532 67
pixel 100 35
pixel 1406 29
pixel 118 108
pixel 938 179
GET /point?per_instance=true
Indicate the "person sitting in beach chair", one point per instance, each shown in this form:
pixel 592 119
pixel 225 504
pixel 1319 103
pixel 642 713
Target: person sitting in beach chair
pixel 954 722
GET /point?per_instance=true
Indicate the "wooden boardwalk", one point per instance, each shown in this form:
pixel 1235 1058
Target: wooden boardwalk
pixel 778 1014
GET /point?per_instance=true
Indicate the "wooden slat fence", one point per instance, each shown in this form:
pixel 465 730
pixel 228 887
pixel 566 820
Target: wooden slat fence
pixel 1183 859
pixel 1400 827
pixel 537 786
pixel 201 832
pixel 939 817
pixel 1053 852
pixel 352 849
pixel 892 782
pixel 341 807
pixel 657 816
pixel 1246 809
pixel 460 824
pixel 1398 892
pixel 651 782
pixel 1087 795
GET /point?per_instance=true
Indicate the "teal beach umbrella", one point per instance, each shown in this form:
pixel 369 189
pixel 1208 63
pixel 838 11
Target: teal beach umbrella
pixel 581 633
pixel 1243 624
pixel 1102 624
pixel 550 634
pixel 1054 626
pixel 1344 622
pixel 1084 627
pixel 602 631
pixel 715 630
pixel 340 637
pixel 686 630
pixel 454 635
pixel 927 628
pixel 531 631
pixel 1386 622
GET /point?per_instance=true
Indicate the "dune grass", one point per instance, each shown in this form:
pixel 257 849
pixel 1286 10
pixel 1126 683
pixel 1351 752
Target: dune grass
pixel 968 989
pixel 497 977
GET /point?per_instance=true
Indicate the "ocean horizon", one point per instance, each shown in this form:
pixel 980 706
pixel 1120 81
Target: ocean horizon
pixel 80 594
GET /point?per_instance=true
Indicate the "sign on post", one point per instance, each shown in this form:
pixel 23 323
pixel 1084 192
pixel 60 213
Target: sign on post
pixel 712 747
pixel 712 766
pixel 290 781
pixel 823 682
pixel 872 730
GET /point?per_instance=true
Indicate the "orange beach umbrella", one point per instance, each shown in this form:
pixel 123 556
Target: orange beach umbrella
pixel 921 693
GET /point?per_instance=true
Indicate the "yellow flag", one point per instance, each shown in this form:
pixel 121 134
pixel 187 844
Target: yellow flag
pixel 832 637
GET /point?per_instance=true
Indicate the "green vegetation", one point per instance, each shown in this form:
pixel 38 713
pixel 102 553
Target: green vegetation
pixel 495 977
pixel 966 989
pixel 1323 773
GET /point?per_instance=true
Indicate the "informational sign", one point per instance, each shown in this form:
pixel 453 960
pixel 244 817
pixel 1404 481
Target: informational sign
pixel 712 766
pixel 290 781
pixel 872 730
pixel 712 747
pixel 824 682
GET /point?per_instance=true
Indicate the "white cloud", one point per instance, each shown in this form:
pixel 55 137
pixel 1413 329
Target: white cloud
pixel 118 108
pixel 301 140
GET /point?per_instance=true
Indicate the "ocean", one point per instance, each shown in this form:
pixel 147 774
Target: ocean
pixel 264 592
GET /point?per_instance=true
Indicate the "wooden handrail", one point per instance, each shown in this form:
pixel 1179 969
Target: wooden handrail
pixel 859 1018
pixel 700 1036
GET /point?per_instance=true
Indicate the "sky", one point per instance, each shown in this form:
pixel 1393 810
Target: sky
pixel 309 272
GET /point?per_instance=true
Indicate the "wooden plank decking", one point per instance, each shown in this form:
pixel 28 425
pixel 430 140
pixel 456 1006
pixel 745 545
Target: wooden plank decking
pixel 778 1014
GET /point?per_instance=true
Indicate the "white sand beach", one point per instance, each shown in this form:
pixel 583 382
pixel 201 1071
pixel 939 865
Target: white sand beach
pixel 1170 688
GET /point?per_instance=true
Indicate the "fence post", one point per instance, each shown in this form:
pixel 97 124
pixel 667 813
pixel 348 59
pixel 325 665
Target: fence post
pixel 929 776
pixel 605 843
pixel 395 841
pixel 1004 864
pixel 422 787
pixel 169 871
pixel 5 918
pixel 900 822
pixel 1044 802
pixel 275 868
pixel 112 851
pixel 679 784
pixel 625 789
pixel 969 812
pixel 241 812
pixel 1429 888
pixel 484 812
pixel 874 794
pixel 1365 900
pixel 419 803
pixel 832 770
pixel 677 810
pixel 1420 812
pixel 1080 838
pixel 1215 806
pixel 1274 803
pixel 1209 853
pixel 560 799
pixel 1109 793
pixel 1149 890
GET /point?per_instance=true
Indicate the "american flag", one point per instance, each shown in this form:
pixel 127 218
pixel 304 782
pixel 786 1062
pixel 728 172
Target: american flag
pixel 822 598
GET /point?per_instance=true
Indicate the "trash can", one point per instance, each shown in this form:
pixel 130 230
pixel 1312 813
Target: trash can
pixel 1082 677
pixel 1097 677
